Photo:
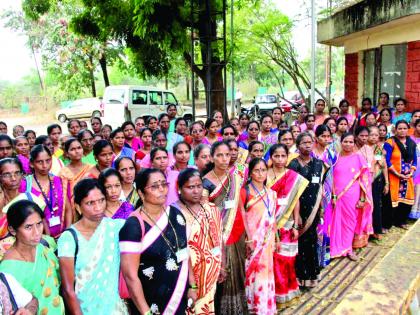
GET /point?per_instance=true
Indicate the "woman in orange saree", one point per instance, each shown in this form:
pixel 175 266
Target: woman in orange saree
pixel 258 207
pixel 288 186
pixel 222 189
pixel 75 171
pixel 204 240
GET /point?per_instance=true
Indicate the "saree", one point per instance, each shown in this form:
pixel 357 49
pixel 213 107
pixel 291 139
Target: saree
pixel 288 187
pixel 204 246
pixel 329 157
pixel 163 275
pixel 260 218
pixel 97 267
pixel 55 204
pixel 350 178
pixel 401 191
pixel 69 180
pixel 415 210
pixel 307 260
pixel 123 211
pixel 25 164
pixel 230 295
pixel 40 277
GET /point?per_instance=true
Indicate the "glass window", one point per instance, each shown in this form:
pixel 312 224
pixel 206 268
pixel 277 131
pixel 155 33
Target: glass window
pixel 170 98
pixel 139 97
pixel 114 96
pixel 393 58
pixel 369 82
pixel 155 98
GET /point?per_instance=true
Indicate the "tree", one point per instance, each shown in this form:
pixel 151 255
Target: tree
pixel 154 32
pixel 264 34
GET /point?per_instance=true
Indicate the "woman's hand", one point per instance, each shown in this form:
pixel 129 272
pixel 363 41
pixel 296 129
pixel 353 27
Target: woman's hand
pixel 295 234
pixel 250 248
pixel 386 189
pixel 222 275
pixel 360 204
pixel 192 294
pixel 22 311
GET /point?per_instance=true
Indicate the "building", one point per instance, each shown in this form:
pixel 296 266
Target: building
pixel 381 40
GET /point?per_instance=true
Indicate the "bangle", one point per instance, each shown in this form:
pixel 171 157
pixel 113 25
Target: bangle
pixel 334 197
pixel 362 199
pixel 386 184
pixel 295 226
pixel 149 312
pixel 193 286
pixel 248 241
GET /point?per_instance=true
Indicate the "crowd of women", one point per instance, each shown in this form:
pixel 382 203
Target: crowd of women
pixel 161 216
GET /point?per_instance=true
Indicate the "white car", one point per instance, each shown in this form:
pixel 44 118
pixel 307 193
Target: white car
pixel 81 108
pixel 127 102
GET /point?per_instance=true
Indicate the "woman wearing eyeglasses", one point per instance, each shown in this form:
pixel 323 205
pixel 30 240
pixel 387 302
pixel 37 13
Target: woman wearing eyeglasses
pixel 258 205
pixel 89 256
pixel 205 239
pixel 154 253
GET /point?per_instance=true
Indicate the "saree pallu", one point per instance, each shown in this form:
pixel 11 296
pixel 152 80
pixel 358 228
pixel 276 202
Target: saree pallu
pixel 123 211
pixel 348 180
pixel 289 187
pixel 70 180
pixel 401 191
pixel 58 205
pixel 204 245
pixel 40 277
pixel 230 295
pixel 307 262
pixel 97 268
pixel 259 281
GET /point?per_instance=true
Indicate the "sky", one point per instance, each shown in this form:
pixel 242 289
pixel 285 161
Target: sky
pixel 16 60
pixel 15 57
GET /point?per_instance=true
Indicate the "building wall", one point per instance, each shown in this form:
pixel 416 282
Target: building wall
pixel 412 78
pixel 351 78
pixel 400 31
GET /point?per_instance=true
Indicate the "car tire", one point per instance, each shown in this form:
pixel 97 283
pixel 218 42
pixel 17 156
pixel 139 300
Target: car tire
pixel 96 113
pixel 62 118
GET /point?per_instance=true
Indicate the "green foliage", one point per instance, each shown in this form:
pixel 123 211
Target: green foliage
pixel 36 8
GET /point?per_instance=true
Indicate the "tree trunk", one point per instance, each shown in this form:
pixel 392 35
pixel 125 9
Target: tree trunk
pixel 187 85
pixel 166 82
pixel 102 62
pixel 218 94
pixel 92 77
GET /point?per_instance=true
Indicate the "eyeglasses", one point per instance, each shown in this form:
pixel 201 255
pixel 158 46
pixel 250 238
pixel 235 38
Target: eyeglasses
pixel 10 175
pixel 156 186
pixel 5 148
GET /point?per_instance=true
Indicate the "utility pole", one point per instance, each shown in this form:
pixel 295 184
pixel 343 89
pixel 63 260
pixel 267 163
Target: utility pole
pixel 232 73
pixel 313 38
pixel 328 64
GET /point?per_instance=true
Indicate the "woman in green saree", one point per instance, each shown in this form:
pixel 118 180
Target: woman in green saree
pixel 33 265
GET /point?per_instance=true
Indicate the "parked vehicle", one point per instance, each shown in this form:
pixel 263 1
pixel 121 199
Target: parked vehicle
pixel 81 108
pixel 126 102
pixel 264 103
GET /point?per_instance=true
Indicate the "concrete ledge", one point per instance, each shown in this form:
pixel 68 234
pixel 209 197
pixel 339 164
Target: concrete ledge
pixel 391 285
pixel 363 16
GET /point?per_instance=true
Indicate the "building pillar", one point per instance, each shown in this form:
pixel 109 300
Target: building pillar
pixel 412 76
pixel 351 70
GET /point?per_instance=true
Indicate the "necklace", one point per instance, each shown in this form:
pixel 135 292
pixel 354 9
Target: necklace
pixel 21 255
pixel 206 230
pixel 266 203
pixel 223 185
pixel 168 242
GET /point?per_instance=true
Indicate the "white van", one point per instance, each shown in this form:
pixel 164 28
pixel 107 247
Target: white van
pixel 127 102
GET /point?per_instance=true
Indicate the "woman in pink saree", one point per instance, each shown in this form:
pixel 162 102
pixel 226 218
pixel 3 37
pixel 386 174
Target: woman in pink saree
pixel 352 204
pixel 258 205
